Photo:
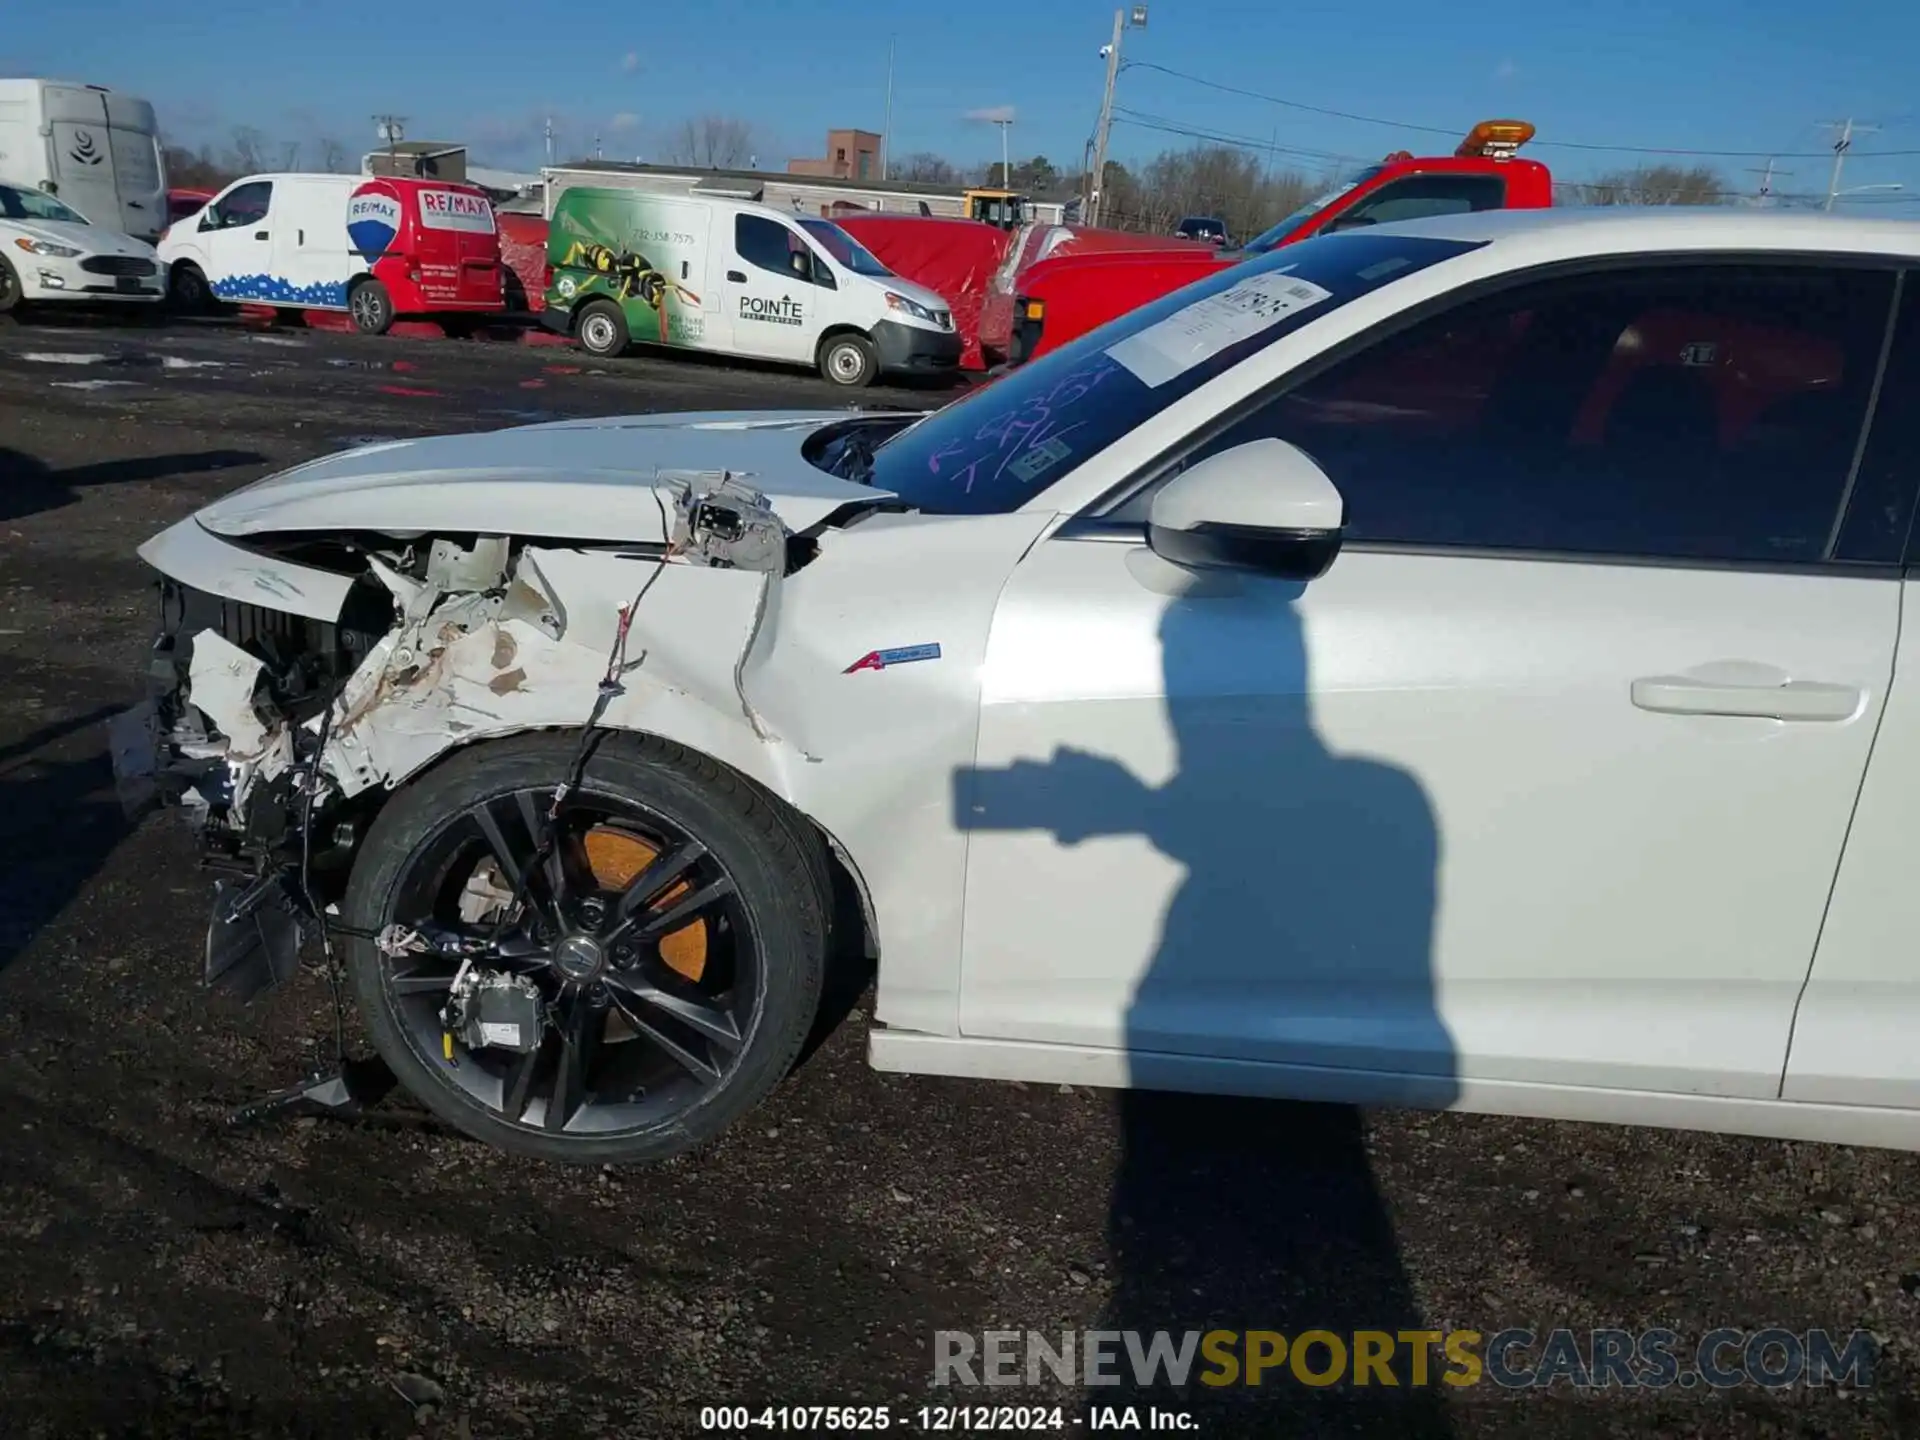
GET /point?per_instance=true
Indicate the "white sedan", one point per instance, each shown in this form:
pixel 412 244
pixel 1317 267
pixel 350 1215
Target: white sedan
pixel 49 251
pixel 1448 664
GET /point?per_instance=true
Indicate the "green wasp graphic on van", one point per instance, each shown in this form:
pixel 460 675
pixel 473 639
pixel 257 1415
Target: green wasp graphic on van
pixel 614 243
pixel 704 272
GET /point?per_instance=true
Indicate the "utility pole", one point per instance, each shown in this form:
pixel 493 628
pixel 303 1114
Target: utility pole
pixel 886 127
pixel 1006 171
pixel 1106 120
pixel 1766 179
pixel 549 142
pixel 1841 146
pixel 390 129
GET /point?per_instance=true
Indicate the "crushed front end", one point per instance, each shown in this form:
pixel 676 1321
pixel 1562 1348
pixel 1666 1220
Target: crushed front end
pixel 280 734
pixel 230 734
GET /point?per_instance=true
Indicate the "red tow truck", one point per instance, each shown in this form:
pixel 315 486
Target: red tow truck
pixel 1061 298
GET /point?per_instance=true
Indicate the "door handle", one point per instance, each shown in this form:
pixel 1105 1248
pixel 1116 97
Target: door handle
pixel 686 270
pixel 259 234
pixel 1795 700
pixel 736 277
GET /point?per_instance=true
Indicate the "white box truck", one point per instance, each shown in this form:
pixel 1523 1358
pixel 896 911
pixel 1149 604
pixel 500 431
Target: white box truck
pixel 96 149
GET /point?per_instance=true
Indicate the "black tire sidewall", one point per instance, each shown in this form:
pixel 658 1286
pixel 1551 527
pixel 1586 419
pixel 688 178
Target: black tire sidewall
pixel 746 835
pixel 11 293
pixel 869 360
pixel 621 337
pixel 195 296
pixel 386 307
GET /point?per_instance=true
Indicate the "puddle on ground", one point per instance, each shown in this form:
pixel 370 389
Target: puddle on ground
pixel 284 340
pixel 62 357
pixel 179 362
pixel 93 384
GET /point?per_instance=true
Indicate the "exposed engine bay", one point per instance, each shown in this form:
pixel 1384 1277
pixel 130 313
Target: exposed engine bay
pixel 279 735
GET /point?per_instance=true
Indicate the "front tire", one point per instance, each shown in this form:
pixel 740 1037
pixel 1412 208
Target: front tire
pixel 849 360
pixel 601 329
pixel 188 291
pixel 10 291
pixel 650 1047
pixel 371 307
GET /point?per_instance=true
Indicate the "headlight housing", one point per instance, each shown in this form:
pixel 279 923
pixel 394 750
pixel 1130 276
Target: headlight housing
pixel 912 307
pixel 47 247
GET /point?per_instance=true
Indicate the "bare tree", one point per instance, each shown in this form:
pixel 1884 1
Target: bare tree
pixel 713 142
pixel 196 169
pixel 290 155
pixel 924 168
pixel 1232 185
pixel 248 146
pixel 333 155
pixel 1653 185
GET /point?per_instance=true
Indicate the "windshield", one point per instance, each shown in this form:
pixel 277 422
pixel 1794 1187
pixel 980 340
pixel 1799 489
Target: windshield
pixel 1269 238
pixel 997 448
pixel 844 248
pixel 17 204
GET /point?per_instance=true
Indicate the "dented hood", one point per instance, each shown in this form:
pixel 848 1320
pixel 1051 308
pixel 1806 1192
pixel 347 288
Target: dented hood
pixel 570 479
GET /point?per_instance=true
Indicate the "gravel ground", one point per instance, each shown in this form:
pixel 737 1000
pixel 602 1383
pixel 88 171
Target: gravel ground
pixel 163 1274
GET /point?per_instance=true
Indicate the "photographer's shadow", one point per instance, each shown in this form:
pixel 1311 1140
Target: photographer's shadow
pixel 1301 931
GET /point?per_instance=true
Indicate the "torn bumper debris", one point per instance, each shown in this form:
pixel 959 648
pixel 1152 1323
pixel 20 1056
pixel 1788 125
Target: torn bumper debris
pixel 276 734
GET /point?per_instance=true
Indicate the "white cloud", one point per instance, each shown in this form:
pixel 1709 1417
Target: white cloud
pixel 995 113
pixel 1505 70
pixel 630 61
pixel 625 120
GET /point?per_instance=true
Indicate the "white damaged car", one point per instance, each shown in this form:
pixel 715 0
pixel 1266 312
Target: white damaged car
pixel 1437 665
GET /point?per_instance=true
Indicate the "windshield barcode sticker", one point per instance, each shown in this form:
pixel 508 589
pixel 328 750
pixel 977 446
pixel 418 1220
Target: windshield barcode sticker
pixel 1167 350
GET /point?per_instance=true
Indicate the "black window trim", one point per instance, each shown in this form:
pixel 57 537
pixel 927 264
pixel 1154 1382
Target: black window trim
pixel 1094 523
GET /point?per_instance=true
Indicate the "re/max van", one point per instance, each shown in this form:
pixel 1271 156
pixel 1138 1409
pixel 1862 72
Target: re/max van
pixel 377 247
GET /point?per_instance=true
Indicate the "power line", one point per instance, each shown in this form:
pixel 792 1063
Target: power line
pixel 1454 130
pixel 1142 120
pixel 1145 121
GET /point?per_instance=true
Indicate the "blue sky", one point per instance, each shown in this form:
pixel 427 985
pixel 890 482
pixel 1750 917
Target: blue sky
pixel 1715 75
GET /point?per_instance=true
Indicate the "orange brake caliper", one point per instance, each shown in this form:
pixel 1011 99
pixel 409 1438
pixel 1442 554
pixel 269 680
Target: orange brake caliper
pixel 616 859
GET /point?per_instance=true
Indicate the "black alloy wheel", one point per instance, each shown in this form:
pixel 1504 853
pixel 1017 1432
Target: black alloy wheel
pixel 676 955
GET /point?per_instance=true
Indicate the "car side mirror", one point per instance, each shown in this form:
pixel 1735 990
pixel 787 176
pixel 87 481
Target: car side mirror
pixel 207 222
pixel 1264 506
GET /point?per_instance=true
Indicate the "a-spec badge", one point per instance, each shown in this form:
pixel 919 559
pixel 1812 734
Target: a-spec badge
pixel 881 659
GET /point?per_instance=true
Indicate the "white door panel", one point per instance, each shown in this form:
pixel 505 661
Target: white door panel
pixel 1853 1038
pixel 1413 820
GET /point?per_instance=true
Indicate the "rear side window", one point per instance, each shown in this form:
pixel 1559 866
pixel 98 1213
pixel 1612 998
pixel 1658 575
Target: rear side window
pixel 1701 412
pixel 1420 197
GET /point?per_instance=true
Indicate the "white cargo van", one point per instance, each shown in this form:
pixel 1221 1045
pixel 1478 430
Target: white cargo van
pixel 95 148
pixel 731 276
pixel 376 247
